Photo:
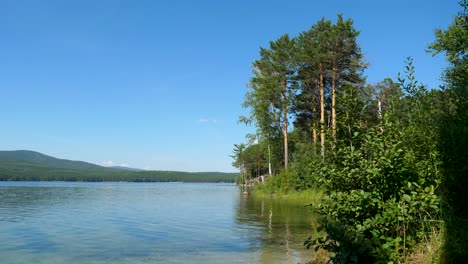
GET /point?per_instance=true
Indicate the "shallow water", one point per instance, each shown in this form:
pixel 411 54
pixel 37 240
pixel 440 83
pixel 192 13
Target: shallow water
pixel 61 222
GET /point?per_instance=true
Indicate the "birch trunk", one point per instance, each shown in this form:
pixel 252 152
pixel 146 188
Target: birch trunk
pixel 285 126
pixel 322 111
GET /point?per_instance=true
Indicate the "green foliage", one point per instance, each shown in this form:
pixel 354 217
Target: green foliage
pixel 382 181
pixel 454 43
pixel 282 183
pixel 396 155
pixel 453 134
pixel 349 246
pixel 389 227
pixel 252 159
pixel 304 167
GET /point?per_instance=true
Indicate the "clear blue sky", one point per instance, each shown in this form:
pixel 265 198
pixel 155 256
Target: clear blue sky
pixel 159 84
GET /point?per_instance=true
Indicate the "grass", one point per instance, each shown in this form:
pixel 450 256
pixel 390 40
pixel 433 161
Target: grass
pixel 307 196
pixel 431 250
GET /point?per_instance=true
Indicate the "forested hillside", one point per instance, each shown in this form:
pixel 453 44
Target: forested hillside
pixel 34 166
pixel 36 157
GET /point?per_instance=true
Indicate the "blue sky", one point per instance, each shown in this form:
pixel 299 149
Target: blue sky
pixel 159 84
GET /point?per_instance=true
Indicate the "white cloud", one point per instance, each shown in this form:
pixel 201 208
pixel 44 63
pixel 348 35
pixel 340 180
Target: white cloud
pixel 207 120
pixel 110 163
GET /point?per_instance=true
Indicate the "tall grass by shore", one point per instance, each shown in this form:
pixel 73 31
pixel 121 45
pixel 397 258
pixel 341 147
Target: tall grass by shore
pixel 306 196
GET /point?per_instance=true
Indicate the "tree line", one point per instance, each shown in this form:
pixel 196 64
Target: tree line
pixel 391 156
pixel 11 170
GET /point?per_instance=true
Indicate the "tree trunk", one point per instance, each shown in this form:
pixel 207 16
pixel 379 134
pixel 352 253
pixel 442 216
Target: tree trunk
pixel 269 160
pixel 379 113
pixel 285 126
pixel 333 110
pixel 322 111
pixel 314 134
pixel 314 122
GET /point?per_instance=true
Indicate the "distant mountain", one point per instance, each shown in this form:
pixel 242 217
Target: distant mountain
pixel 36 157
pixel 25 165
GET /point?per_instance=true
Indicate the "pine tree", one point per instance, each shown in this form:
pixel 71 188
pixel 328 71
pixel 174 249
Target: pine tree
pixel 271 90
pixel 346 61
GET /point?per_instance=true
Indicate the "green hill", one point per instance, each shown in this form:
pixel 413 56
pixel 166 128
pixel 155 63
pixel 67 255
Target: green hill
pixel 23 165
pixel 36 157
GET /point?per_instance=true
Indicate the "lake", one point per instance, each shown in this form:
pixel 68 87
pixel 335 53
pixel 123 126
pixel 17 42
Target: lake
pixel 64 222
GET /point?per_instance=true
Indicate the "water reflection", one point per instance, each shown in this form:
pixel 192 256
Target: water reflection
pixel 283 227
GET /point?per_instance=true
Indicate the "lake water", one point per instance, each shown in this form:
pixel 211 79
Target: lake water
pixel 61 222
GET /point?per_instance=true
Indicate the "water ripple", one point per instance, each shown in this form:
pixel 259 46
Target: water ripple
pixel 144 223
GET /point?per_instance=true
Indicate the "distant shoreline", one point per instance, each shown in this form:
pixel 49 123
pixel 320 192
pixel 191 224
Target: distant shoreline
pixel 118 181
pixel 25 165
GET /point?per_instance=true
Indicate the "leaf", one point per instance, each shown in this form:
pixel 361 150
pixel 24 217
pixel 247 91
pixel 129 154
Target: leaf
pixel 406 197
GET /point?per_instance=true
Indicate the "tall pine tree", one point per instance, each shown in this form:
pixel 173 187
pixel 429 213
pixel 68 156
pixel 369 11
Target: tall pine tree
pixel 271 90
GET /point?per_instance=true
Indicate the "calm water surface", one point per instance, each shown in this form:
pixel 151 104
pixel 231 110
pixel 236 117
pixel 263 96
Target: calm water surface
pixel 55 222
